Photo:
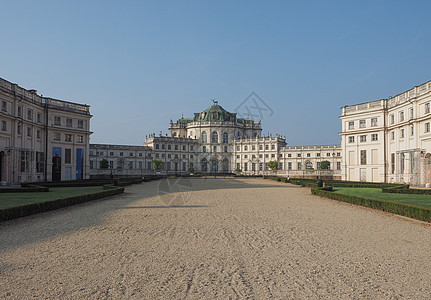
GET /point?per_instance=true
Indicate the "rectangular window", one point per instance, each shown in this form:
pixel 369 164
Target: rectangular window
pixel 272 147
pixel 289 155
pixel 29 114
pixel 4 106
pixel 163 146
pixel 184 147
pixel 40 162
pixel 29 132
pixel 80 124
pixel 338 153
pixel 338 165
pixel 393 163
pixel 427 127
pixel 157 146
pixel 253 147
pixel 318 165
pixel 19 111
pixel 57 121
pixel 68 122
pixel 260 166
pixel 411 113
pixel 169 147
pixel 25 160
pixel 392 117
pixel 427 108
pixel 412 130
pixel 191 148
pixel 289 166
pixel 308 154
pixel 363 157
pixel 299 154
pixel 225 148
pixel 351 139
pixel 402 160
pixel 79 139
pixel 374 137
pixel 351 125
pixel 328 154
pixel 362 123
pixel 266 147
pixel 38 134
pixel 402 133
pixel 57 136
pixel 245 166
pixel 130 165
pixel 38 117
pixel 299 166
pixel 374 122
pixel 111 164
pixel 318 154
pixel 363 138
pixel 260 147
pixel 204 149
pixel 245 148
pixel 401 116
pixel 68 137
pixel 67 156
pixel 214 148
pixel 3 126
pixel 393 135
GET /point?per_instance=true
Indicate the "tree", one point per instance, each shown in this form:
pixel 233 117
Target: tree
pixel 324 165
pixel 238 171
pixel 273 165
pixel 191 170
pixel 157 164
pixel 104 164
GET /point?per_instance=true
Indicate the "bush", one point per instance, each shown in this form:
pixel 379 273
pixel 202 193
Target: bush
pixel 34 208
pixel 30 188
pixel 405 190
pixel 411 211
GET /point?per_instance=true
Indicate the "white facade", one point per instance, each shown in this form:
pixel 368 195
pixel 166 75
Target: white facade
pixel 216 141
pixel 41 139
pixel 388 140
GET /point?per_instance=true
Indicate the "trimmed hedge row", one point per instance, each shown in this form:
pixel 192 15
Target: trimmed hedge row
pixel 34 208
pixel 411 211
pixel 406 190
pixel 31 188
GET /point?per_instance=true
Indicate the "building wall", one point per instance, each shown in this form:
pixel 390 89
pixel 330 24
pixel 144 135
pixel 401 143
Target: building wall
pixel 399 154
pixel 27 140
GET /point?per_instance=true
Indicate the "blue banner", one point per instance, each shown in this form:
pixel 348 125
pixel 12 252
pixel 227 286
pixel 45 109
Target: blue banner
pixel 79 163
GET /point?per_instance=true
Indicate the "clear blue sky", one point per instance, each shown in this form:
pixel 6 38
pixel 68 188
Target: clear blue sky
pixel 141 63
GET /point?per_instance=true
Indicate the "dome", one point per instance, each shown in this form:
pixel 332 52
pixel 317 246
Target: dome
pixel 215 113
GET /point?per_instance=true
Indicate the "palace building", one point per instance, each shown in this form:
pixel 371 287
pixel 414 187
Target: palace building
pixel 215 141
pixel 41 139
pixel 389 140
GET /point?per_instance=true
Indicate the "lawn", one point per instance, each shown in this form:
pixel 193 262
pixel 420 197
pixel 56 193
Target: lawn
pixel 376 193
pixel 8 200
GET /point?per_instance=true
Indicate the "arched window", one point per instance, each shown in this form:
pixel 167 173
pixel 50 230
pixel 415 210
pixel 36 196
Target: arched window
pixel 204 137
pixel 214 138
pixel 225 138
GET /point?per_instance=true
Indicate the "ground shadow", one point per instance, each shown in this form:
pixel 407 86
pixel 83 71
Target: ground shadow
pixel 48 225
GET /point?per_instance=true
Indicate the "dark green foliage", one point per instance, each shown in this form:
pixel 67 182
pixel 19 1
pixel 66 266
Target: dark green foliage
pixel 415 212
pixel 31 188
pixel 104 164
pixel 405 190
pixel 157 164
pixel 273 165
pixel 324 165
pixel 34 208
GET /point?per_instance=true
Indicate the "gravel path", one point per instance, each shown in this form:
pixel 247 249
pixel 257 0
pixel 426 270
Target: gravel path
pixel 231 239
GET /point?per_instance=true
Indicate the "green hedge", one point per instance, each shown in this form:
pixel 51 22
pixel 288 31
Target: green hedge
pixel 30 209
pixel 411 211
pixel 405 190
pixel 31 188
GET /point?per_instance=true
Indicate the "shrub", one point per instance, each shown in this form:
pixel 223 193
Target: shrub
pixel 411 211
pixel 34 208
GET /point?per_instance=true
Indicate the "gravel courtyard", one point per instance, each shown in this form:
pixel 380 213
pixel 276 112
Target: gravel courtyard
pixel 223 238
